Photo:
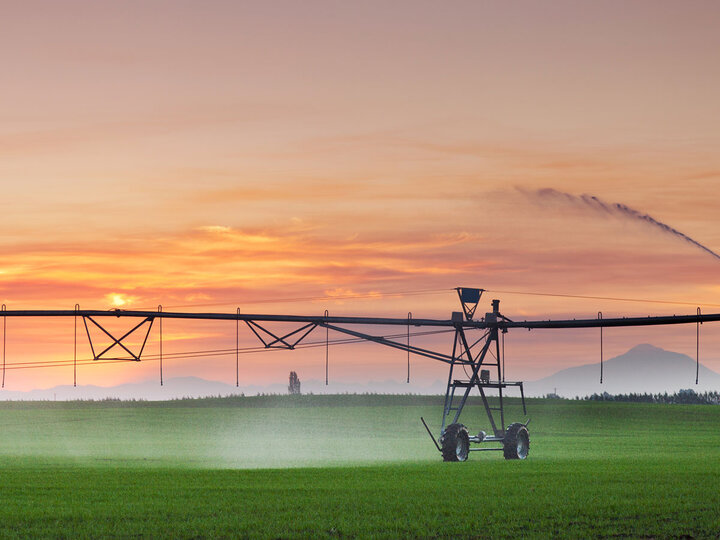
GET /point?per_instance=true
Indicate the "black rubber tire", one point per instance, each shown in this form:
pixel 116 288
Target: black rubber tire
pixel 455 443
pixel 516 444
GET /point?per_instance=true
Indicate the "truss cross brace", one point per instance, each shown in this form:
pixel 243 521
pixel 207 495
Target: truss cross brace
pixel 280 342
pixel 117 342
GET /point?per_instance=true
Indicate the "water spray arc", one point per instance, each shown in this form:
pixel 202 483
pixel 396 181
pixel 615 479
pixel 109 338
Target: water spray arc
pixel 596 204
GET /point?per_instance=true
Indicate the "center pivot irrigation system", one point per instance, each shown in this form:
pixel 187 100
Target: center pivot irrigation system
pixel 469 356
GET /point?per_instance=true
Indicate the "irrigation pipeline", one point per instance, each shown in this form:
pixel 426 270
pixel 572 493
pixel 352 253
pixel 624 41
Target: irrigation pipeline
pixel 371 321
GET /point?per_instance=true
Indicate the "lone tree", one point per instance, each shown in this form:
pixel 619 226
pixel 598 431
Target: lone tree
pixel 294 386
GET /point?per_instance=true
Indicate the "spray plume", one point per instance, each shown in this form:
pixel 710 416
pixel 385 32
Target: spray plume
pixel 615 209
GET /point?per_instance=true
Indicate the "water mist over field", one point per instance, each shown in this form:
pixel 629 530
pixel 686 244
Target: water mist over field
pixel 226 437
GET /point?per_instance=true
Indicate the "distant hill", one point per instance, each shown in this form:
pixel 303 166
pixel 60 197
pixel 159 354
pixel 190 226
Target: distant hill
pixel 643 369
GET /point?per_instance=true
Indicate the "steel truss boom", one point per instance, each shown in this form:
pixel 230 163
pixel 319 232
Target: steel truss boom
pixel 478 361
pixel 317 319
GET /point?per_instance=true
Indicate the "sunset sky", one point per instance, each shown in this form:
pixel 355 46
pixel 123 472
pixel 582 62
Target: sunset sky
pixel 292 157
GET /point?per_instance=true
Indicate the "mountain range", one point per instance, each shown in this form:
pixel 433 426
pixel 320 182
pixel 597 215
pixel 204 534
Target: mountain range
pixel 643 369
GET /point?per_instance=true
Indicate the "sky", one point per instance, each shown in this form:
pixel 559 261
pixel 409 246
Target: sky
pixel 293 157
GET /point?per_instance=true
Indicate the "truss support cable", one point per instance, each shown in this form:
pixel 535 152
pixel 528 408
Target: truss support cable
pixel 4 308
pixel 77 308
pixel 160 308
pixel 227 352
pixel 402 346
pixel 408 344
pixel 237 350
pixel 697 349
pixel 601 347
pixel 327 350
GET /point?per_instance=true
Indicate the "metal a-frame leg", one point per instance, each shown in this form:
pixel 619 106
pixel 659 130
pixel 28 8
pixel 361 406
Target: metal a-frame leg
pixel 466 358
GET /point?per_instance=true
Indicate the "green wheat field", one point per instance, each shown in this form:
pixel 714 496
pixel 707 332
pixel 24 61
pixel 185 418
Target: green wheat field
pixel 352 467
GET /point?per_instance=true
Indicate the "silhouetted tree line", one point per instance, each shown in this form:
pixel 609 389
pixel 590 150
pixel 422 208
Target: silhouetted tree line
pixel 688 397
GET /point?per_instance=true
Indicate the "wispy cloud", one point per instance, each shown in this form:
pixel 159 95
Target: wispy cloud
pixel 62 134
pixel 205 261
